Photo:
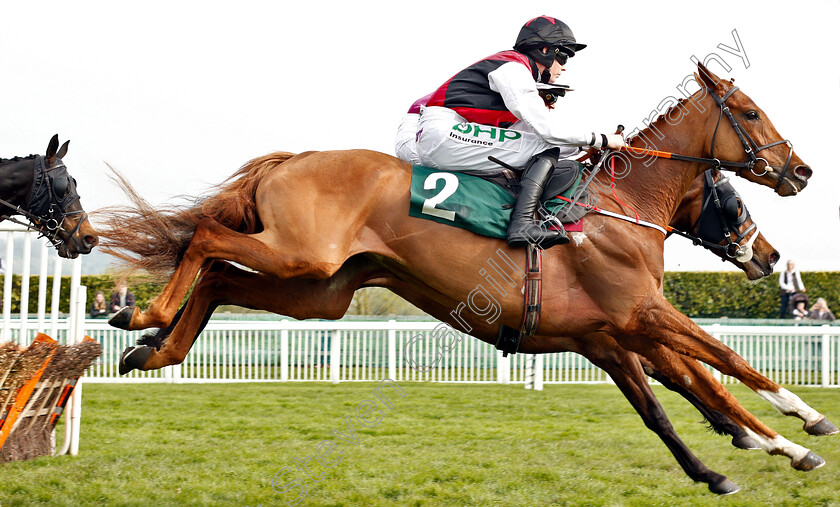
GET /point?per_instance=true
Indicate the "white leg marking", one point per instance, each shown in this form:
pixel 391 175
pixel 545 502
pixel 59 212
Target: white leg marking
pixel 788 403
pixel 779 445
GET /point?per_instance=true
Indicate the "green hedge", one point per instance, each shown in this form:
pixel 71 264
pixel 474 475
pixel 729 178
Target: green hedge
pixel 143 292
pixel 730 294
pixel 696 294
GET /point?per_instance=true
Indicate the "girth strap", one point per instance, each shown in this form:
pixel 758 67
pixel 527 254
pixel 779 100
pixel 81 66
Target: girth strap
pixel 533 291
pixel 509 338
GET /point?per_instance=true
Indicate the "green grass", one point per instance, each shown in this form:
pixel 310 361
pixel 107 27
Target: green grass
pixel 221 444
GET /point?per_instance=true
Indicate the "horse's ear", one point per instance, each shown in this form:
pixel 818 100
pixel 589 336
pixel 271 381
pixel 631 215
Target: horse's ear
pixel 711 81
pixel 63 150
pixel 52 148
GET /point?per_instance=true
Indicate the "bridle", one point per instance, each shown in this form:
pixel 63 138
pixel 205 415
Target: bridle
pixel 750 147
pixel 49 222
pixel 730 214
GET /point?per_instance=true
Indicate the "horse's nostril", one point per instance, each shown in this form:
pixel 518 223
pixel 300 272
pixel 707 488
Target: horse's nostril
pixel 774 258
pixel 91 241
pixel 803 171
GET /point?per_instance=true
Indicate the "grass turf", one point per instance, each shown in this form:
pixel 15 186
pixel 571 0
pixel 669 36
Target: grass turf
pixel 222 444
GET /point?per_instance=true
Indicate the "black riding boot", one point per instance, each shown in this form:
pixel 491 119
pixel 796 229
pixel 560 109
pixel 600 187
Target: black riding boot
pixel 523 227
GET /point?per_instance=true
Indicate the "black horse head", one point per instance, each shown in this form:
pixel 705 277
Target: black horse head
pixel 41 189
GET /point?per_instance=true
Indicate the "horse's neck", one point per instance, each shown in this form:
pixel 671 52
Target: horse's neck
pixel 16 178
pixel 688 211
pixel 655 187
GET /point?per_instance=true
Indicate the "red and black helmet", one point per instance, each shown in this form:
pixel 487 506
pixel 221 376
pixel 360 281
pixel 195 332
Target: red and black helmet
pixel 545 31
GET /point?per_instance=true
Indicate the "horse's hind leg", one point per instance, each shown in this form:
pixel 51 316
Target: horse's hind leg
pixel 226 284
pixel 720 423
pixel 626 370
pixel 657 320
pixel 212 240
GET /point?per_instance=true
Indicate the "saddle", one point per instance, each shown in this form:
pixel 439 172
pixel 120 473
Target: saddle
pixel 567 176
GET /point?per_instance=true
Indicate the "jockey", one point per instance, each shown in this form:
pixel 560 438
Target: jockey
pixel 493 108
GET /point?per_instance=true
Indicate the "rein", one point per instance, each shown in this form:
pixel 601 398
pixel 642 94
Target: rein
pixel 750 146
pixel 732 249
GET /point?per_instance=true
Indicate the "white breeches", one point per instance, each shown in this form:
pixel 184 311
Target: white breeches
pixel 443 139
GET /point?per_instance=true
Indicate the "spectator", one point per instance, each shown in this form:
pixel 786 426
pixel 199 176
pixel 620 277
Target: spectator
pixel 99 308
pixel 799 312
pixel 121 298
pixel 820 311
pixel 790 283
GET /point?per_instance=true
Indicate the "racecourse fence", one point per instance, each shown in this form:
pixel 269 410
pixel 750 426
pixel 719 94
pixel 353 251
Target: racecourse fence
pixel 338 351
pixel 286 350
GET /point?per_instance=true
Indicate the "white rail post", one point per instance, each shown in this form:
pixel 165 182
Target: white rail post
pixel 826 356
pixel 23 339
pixel 78 336
pixel 335 356
pixel 73 410
pixel 75 281
pixel 502 368
pixel 7 286
pixel 284 351
pixel 530 361
pixel 538 372
pixel 392 351
pixel 43 273
pixel 56 298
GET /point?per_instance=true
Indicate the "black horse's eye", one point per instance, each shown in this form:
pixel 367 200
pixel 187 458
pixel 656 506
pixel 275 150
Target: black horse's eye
pixel 751 115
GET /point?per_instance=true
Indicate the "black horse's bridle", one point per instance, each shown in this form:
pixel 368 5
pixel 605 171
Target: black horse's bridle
pixel 709 230
pixel 53 193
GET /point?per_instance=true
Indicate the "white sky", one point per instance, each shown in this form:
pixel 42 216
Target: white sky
pixel 179 94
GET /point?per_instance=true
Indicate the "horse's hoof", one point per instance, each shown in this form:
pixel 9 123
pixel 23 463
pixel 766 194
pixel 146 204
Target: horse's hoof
pixel 745 442
pixel 134 358
pixel 122 319
pixel 810 462
pixel 821 428
pixel 725 487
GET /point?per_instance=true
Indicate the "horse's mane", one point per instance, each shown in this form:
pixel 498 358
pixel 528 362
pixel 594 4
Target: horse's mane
pixel 654 126
pixel 154 239
pixel 15 159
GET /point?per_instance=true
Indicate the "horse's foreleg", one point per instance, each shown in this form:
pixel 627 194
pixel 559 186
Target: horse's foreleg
pixel 626 370
pixel 702 384
pixel 658 320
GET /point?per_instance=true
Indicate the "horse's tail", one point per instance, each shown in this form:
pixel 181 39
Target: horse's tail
pixel 154 240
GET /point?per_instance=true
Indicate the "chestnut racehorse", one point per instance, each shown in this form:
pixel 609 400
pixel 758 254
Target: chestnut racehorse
pixel 316 226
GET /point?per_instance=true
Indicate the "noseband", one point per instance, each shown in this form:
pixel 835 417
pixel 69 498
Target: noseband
pixel 47 209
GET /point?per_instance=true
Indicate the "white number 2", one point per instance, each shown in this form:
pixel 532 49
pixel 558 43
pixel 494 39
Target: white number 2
pixel 450 185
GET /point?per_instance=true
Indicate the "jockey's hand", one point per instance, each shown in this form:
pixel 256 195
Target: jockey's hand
pixel 615 141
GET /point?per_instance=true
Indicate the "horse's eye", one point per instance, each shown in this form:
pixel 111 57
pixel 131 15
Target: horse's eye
pixel 751 115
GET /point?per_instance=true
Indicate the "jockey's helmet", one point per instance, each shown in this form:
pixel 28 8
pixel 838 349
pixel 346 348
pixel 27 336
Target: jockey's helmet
pixel 545 31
